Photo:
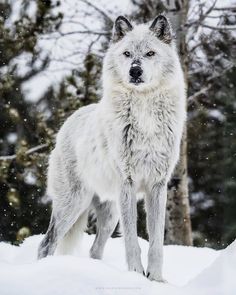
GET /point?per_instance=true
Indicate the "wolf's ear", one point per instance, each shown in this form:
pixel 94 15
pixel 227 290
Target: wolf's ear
pixel 120 28
pixel 162 28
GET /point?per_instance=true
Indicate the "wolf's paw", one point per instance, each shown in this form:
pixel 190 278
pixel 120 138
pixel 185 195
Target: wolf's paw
pixel 95 254
pixel 152 276
pixel 137 267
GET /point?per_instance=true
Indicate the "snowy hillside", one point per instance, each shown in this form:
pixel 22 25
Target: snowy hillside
pixel 188 271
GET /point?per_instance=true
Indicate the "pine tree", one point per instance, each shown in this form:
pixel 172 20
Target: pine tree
pixel 211 147
pixel 22 176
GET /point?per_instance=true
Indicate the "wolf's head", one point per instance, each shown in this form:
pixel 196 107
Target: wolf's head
pixel 141 56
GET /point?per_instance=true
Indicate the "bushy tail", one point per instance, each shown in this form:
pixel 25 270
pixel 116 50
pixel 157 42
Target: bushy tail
pixel 72 240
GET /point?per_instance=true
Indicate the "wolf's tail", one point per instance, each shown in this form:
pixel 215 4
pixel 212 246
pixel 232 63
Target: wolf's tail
pixel 72 240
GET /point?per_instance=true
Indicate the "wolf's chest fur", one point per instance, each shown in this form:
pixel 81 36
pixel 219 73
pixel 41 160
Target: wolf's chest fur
pixel 147 133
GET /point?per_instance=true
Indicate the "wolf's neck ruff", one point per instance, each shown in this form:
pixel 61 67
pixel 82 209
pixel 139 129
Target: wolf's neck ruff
pixel 143 124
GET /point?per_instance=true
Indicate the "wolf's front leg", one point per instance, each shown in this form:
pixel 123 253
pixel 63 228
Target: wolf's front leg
pixel 156 207
pixel 128 209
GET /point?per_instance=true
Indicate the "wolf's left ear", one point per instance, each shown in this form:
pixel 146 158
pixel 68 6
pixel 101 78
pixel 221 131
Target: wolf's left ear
pixel 120 28
pixel 162 29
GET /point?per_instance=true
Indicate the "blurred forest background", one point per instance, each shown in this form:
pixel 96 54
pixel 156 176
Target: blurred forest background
pixel 51 56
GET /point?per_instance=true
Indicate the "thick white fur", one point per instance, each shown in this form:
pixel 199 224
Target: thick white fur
pixel 125 144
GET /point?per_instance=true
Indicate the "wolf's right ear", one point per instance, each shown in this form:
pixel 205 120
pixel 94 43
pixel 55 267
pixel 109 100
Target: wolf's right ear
pixel 120 28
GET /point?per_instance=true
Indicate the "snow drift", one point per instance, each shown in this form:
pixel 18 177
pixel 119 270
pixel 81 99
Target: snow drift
pixel 188 270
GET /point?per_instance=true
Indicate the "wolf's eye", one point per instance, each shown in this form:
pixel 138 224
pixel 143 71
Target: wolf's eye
pixel 127 54
pixel 150 53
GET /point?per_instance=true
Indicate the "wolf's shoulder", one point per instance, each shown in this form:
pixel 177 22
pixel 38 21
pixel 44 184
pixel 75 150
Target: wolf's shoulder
pixel 79 116
pixel 75 123
pixel 81 113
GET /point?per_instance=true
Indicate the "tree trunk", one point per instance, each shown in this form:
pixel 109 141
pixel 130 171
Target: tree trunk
pixel 178 223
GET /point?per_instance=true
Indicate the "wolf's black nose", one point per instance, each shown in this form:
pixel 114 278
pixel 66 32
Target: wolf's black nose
pixel 135 72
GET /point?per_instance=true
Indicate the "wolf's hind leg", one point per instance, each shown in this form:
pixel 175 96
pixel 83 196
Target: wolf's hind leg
pixel 64 215
pixel 73 237
pixel 48 244
pixel 107 219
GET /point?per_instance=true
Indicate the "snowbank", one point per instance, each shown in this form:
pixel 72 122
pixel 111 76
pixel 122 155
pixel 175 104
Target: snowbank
pixel 187 269
pixel 220 277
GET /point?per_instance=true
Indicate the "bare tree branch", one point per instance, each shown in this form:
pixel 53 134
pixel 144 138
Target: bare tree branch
pixel 210 81
pixel 222 15
pixel 202 15
pixel 102 12
pixel 89 32
pixel 209 10
pixel 232 8
pixel 198 93
pixel 219 28
pixel 195 47
pixel 28 152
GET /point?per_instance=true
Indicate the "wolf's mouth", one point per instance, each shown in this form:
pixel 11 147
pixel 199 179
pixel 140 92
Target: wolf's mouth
pixel 136 81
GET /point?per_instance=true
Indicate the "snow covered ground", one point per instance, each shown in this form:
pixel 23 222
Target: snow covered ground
pixel 188 270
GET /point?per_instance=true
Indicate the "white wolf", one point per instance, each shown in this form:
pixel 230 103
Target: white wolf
pixel 106 153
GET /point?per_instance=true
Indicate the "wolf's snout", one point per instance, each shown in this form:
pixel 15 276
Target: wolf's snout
pixel 135 72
